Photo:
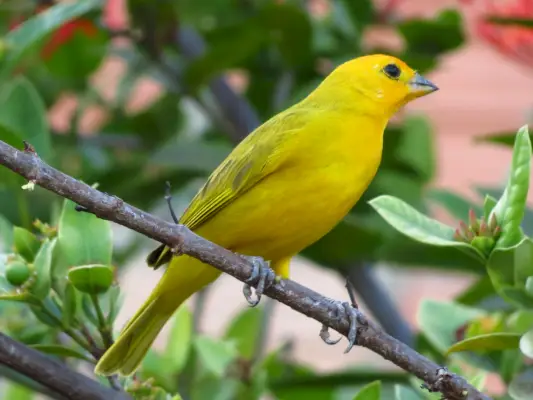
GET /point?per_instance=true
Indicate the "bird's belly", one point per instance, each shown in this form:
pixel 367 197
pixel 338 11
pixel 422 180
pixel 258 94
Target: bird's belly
pixel 288 211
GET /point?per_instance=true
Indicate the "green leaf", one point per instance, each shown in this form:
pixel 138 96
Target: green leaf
pixel 488 205
pixel 405 393
pixel 505 138
pixel 79 56
pixel 214 388
pixel 24 297
pixel 245 330
pixel 6 235
pixel 513 21
pixel 417 226
pixel 42 266
pixel 179 341
pixel 509 210
pixel 70 305
pixel 288 26
pixel 520 321
pixel 372 391
pixel 487 342
pixel 432 37
pixel 23 115
pixel 439 321
pixel 16 391
pixel 26 243
pixel 508 269
pixel 62 351
pixel 521 387
pixel 416 148
pixel 34 29
pixel 361 14
pixel 83 239
pixel 91 279
pixel 526 344
pixel 230 47
pixel 478 291
pixel 215 356
pixel 529 286
pixel 455 204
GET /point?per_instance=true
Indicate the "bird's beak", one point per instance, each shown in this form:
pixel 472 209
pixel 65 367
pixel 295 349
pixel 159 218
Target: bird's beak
pixel 420 86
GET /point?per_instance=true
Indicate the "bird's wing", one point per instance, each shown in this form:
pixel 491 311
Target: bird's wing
pixel 256 157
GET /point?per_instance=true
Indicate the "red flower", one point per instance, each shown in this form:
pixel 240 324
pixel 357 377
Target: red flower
pixel 513 41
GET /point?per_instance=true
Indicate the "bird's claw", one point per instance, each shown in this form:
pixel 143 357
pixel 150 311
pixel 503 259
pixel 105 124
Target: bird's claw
pixel 325 336
pixel 353 314
pixel 265 277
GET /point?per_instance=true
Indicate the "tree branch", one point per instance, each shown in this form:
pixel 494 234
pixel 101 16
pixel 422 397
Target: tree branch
pixel 51 374
pixel 182 240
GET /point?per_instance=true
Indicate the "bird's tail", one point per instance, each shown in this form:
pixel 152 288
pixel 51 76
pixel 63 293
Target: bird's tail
pixel 183 277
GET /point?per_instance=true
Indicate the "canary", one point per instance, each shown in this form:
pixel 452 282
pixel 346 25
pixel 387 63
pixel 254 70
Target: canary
pixel 282 188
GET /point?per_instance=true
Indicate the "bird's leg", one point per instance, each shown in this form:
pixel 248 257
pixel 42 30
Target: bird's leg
pixel 168 198
pixel 343 309
pixel 263 274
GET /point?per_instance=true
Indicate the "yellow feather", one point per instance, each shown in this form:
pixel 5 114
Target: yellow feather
pixel 282 188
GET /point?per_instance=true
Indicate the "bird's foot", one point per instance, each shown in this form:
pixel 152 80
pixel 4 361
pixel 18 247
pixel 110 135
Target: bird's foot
pixel 344 309
pixel 263 275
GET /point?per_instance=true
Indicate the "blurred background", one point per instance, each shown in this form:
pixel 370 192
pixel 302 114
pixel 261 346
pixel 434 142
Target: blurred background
pixel 134 94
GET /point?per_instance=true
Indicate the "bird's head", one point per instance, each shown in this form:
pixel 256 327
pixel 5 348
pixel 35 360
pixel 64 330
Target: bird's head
pixel 383 83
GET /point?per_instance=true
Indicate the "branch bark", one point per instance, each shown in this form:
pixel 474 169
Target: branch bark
pixel 51 374
pixel 299 298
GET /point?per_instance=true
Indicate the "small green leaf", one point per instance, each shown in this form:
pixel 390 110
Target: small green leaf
pixel 372 391
pixel 508 269
pixel 520 321
pixel 62 351
pixel 487 342
pixel 24 297
pixel 478 291
pixel 214 388
pixel 23 115
pixel 6 233
pixel 488 205
pixel 529 286
pixel 245 330
pixel 70 305
pixel 30 32
pixel 439 321
pixel 416 148
pixel 405 393
pixel 26 243
pixel 417 226
pixel 16 391
pixel 513 21
pixel 215 356
pixel 115 302
pixel 521 387
pixel 83 239
pixel 526 344
pixel 179 341
pixel 91 279
pixel 509 210
pixel 42 266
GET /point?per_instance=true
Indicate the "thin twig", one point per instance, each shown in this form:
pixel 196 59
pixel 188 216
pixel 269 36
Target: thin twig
pixel 183 240
pixel 52 374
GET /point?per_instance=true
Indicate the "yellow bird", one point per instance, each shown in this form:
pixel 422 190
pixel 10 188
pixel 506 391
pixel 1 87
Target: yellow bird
pixel 282 188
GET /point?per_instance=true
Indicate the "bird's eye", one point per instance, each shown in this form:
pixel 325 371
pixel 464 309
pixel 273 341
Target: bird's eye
pixel 392 71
